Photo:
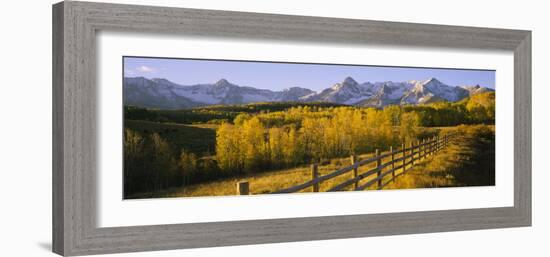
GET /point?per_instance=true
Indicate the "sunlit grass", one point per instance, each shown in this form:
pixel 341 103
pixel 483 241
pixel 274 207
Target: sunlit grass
pixel 468 161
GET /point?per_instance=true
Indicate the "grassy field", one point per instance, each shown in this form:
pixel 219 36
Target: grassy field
pixel 197 138
pixel 468 161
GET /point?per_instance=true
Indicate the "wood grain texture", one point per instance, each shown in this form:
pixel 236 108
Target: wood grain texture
pixel 74 126
pixel 58 230
pixel 522 129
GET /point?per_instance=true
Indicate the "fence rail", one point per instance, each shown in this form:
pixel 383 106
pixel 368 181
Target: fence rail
pixel 408 155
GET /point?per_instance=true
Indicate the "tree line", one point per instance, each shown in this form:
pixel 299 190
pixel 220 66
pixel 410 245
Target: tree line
pixel 151 163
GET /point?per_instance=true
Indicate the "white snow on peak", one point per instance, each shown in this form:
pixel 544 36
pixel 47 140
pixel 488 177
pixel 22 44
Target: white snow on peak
pixel 349 91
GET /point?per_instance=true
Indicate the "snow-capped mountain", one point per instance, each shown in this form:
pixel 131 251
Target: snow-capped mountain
pixel 380 94
pixel 155 93
pixel 477 89
pixel 294 94
pixel 161 93
pixel 433 90
pixel 386 93
pixel 346 92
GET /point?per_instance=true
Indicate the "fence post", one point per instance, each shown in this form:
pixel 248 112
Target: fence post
pixel 418 146
pixel 314 175
pixel 423 148
pixel 378 170
pixel 412 154
pixel 428 146
pixel 434 142
pixel 242 188
pixel 404 156
pixel 392 162
pixel 353 159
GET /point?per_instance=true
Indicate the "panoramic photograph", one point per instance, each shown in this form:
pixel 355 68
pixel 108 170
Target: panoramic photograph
pixel 200 127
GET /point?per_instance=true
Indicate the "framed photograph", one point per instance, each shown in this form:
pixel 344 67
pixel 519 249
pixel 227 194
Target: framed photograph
pixel 183 128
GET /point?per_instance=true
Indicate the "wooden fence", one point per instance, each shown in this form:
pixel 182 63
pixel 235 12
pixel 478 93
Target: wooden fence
pixel 407 158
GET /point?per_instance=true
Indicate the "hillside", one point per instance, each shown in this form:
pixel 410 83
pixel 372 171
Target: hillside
pixel 437 113
pixel 163 94
pixel 215 113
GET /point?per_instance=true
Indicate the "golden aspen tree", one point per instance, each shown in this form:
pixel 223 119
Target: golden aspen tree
pixel 164 165
pixel 276 147
pixel 188 166
pixel 134 170
pixel 409 125
pixel 253 144
pixel 293 147
pixel 228 150
pixel 313 134
pixel 359 130
pixel 241 118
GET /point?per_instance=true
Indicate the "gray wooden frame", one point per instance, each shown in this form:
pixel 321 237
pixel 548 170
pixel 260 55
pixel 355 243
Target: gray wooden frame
pixel 74 128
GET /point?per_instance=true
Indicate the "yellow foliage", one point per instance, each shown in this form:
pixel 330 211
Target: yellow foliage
pixel 228 150
pixel 303 135
pixel 409 125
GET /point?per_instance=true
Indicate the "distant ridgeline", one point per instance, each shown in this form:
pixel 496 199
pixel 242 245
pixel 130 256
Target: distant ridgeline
pixel 479 108
pixel 163 94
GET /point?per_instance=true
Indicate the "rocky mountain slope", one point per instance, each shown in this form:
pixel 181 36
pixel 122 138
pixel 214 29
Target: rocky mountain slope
pixel 164 94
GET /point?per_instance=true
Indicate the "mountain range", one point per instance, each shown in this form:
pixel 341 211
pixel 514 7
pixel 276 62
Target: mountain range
pixel 163 94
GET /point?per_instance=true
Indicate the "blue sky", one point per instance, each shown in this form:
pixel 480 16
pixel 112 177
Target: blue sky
pixel 278 76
